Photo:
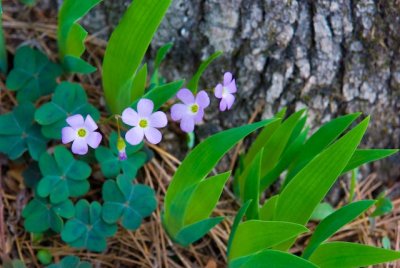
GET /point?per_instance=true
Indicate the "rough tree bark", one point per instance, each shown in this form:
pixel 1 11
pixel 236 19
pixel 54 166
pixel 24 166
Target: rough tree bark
pixel 334 57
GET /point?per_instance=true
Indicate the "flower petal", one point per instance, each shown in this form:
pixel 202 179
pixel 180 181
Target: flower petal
pixel 202 99
pixel 218 91
pixel 187 124
pixel 135 135
pixel 90 124
pixel 222 105
pixel 232 87
pixel 230 99
pixel 145 107
pixel 94 139
pixel 227 78
pixel 186 96
pixel 153 135
pixel 130 117
pixel 75 121
pixel 158 119
pixel 79 146
pixel 199 116
pixel 178 111
pixel 68 134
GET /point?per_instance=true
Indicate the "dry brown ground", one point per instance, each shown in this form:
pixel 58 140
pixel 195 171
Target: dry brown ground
pixel 149 246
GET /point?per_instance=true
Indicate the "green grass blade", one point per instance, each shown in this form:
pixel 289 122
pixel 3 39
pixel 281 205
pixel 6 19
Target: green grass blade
pixel 331 224
pixel 273 259
pixel 239 216
pixel 139 84
pixel 267 211
pixel 193 84
pixel 307 189
pixel 254 235
pixel 195 231
pixel 364 156
pixel 128 45
pixel 350 255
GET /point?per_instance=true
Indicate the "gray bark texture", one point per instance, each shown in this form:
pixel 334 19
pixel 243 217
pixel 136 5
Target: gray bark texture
pixel 334 57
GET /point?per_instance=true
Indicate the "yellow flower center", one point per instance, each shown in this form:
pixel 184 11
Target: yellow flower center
pixel 143 123
pixel 194 108
pixel 82 132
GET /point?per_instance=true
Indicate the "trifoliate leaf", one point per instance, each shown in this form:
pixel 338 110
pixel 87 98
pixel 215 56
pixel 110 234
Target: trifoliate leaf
pixel 88 229
pixel 112 166
pixel 128 202
pixel 32 175
pixel 68 99
pixel 41 215
pixel 71 262
pixel 33 76
pixel 63 176
pixel 18 133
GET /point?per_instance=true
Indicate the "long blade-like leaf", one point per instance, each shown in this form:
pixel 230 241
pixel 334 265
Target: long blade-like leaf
pixel 238 218
pixel 334 222
pixel 307 189
pixel 350 255
pixel 254 235
pixel 128 45
pixel 364 156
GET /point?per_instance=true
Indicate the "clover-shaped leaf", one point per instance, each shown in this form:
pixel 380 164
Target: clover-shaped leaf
pixel 41 215
pixel 88 229
pixel 71 262
pixel 18 133
pixel 33 76
pixel 32 175
pixel 127 201
pixel 111 165
pixel 63 176
pixel 68 99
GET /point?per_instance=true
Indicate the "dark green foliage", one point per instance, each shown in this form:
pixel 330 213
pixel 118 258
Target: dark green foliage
pixel 32 175
pixel 63 176
pixel 41 215
pixel 19 134
pixel 112 166
pixel 68 99
pixel 127 202
pixel 71 262
pixel 88 229
pixel 33 75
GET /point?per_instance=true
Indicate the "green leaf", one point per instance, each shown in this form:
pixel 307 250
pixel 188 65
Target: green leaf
pixel 71 262
pixel 40 215
pixel 383 206
pixel 193 84
pixel 364 156
pixel 353 184
pixel 331 224
pixel 307 189
pixel 128 45
pixel 33 75
pixel 19 134
pixel 272 258
pixel 324 136
pixel 239 216
pixel 161 54
pixel 110 164
pixel 63 176
pixel 127 202
pixel 249 184
pixel 161 94
pixel 28 2
pixel 44 256
pixel 322 211
pixel 88 229
pixel 254 235
pixel 349 255
pixel 32 175
pixel 68 99
pixel 3 48
pixel 267 211
pixel 71 36
pixel 138 85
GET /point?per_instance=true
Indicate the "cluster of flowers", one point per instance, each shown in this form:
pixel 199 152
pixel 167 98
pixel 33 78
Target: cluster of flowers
pixel 82 131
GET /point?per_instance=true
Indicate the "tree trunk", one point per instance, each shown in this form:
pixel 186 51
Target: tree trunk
pixel 334 57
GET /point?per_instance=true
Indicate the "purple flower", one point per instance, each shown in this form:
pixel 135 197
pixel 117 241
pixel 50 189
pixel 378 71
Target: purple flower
pixel 191 111
pixel 82 133
pixel 121 149
pixel 225 92
pixel 144 123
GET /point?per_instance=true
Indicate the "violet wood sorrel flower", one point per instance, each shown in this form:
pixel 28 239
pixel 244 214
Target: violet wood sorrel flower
pixel 191 111
pixel 121 146
pixel 144 123
pixel 82 133
pixel 225 92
